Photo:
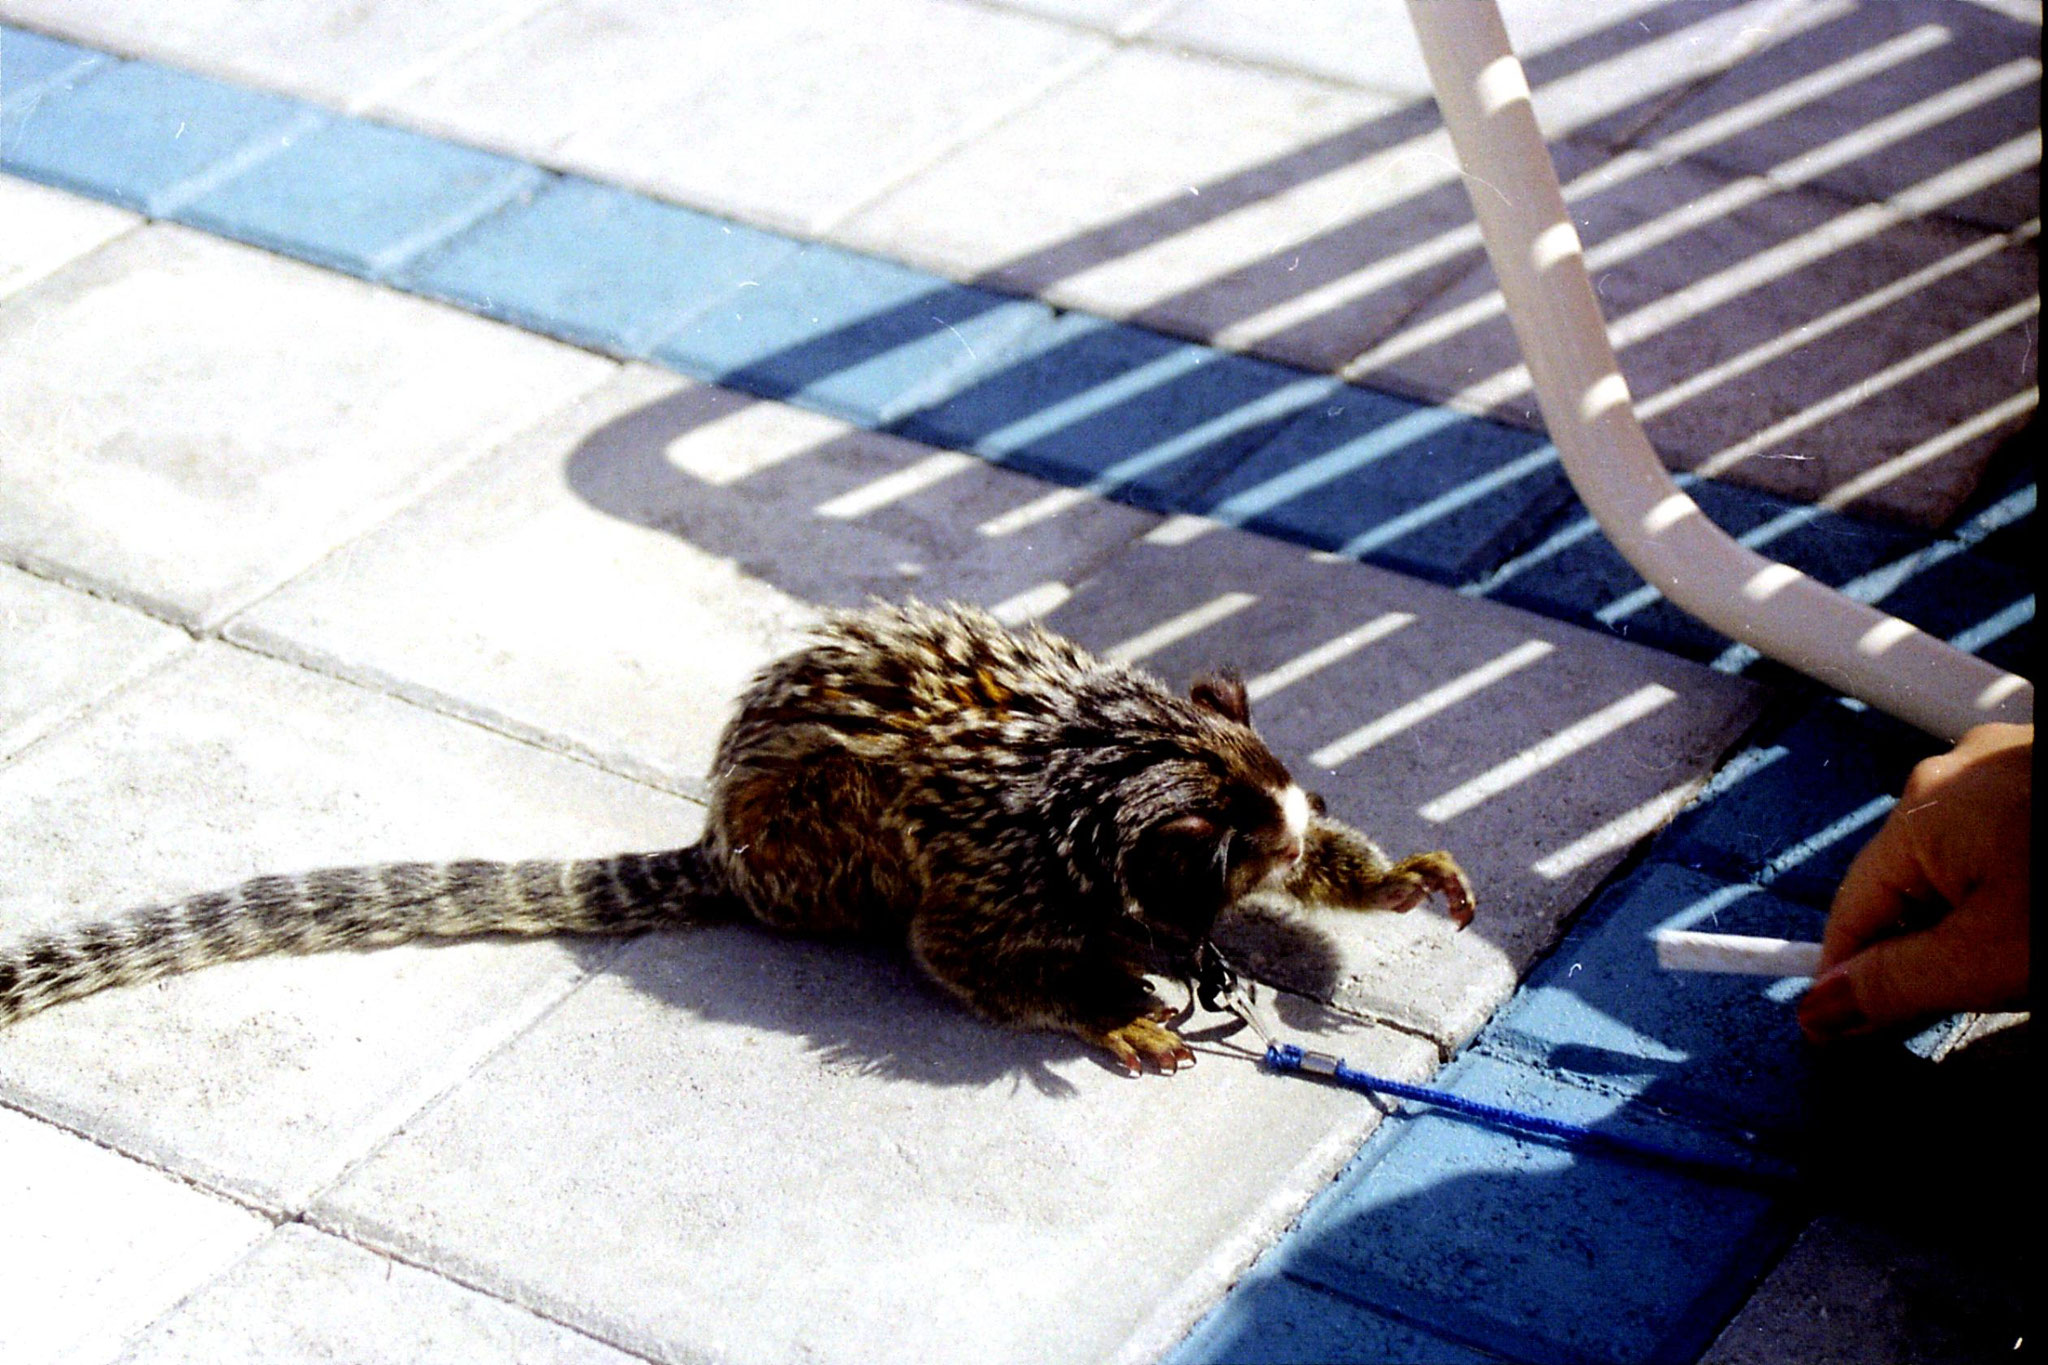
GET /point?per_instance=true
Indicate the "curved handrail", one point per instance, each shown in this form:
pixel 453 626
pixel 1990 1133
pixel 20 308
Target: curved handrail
pixel 1541 269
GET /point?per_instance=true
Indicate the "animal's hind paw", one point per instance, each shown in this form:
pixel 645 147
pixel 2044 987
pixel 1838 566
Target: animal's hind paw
pixel 1141 1041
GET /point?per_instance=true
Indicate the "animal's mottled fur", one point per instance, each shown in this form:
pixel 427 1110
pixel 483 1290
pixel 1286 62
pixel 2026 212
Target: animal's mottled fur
pixel 1345 870
pixel 1038 826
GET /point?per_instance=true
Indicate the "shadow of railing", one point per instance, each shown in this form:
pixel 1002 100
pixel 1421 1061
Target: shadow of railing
pixel 1815 248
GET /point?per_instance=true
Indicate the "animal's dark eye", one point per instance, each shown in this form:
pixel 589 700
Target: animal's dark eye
pixel 1257 822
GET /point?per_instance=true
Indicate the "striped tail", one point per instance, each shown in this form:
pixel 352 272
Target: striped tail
pixel 356 907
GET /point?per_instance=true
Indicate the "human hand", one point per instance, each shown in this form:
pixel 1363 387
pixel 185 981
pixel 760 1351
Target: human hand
pixel 1958 842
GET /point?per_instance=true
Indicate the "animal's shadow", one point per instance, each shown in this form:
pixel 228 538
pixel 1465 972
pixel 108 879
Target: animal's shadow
pixel 864 1008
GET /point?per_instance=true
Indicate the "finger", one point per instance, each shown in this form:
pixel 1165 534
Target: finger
pixel 1886 878
pixel 1894 981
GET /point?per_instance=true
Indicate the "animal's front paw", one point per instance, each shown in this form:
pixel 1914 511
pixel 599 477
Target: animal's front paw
pixel 1141 1041
pixel 1440 873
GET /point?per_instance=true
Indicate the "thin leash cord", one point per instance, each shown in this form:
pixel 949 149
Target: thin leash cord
pixel 1287 1057
pixel 1218 986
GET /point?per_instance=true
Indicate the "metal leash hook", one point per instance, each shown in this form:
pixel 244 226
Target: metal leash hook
pixel 1220 988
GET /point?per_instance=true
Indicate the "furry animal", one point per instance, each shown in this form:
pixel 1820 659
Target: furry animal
pixel 1038 826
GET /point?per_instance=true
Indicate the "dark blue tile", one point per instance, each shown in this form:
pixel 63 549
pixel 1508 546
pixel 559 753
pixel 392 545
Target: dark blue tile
pixel 31 66
pixel 1272 1320
pixel 150 138
pixel 1530 1250
pixel 1121 410
pixel 1794 809
pixel 1983 595
pixel 359 196
pixel 1722 1049
pixel 1588 581
pixel 851 335
pixel 1417 489
pixel 597 266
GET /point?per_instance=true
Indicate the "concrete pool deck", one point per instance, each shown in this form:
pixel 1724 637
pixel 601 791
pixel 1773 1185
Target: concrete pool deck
pixel 421 421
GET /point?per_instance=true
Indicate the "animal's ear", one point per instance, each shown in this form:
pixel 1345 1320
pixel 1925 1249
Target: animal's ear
pixel 1316 804
pixel 1224 694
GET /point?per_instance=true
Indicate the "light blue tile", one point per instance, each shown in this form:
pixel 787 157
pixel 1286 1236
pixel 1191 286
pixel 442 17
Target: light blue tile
pixel 1130 413
pixel 1822 788
pixel 148 137
pixel 31 65
pixel 860 338
pixel 598 266
pixel 360 196
pixel 1272 1320
pixel 1724 1050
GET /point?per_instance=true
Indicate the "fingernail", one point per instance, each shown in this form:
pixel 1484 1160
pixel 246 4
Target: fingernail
pixel 1829 1009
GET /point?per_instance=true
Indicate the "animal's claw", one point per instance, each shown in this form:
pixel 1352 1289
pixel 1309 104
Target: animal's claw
pixel 1145 1040
pixel 1457 893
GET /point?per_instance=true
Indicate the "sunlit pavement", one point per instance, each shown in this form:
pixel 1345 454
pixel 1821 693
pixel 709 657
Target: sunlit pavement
pixel 417 421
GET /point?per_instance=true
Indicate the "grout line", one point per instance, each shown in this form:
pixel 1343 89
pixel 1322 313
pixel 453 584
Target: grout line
pixel 529 183
pixel 287 653
pixel 1054 81
pixel 24 285
pixel 282 651
pixel 196 1290
pixel 192 1182
pixel 474 1285
pixel 466 1061
pixel 454 50
pixel 84 710
pixel 1139 32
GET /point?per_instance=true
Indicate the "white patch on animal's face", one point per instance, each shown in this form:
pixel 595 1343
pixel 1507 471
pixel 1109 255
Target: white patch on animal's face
pixel 1294 811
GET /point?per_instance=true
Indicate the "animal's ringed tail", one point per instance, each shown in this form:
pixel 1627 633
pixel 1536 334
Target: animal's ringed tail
pixel 355 907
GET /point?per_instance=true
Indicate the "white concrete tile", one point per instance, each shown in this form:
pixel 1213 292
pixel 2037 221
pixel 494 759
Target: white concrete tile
pixel 820 108
pixel 1121 17
pixel 340 52
pixel 804 1153
pixel 61 650
pixel 611 580
pixel 1534 850
pixel 98 1245
pixel 208 419
pixel 1367 43
pixel 1270 212
pixel 570 66
pixel 1605 70
pixel 303 1295
pixel 1181 124
pixel 1225 192
pixel 268 1077
pixel 48 228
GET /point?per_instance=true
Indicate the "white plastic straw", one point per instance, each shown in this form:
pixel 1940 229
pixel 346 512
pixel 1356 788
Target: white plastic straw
pixel 1681 950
